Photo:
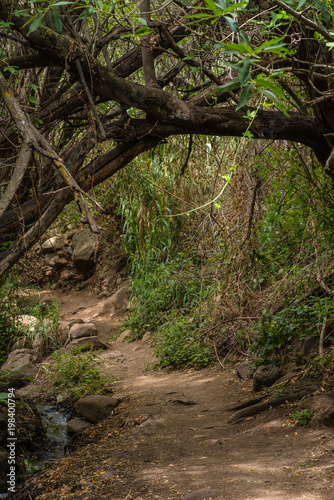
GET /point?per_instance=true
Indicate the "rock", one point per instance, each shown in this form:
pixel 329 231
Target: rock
pixel 77 425
pixel 244 370
pixel 323 419
pixel 80 330
pixel 86 344
pixel 146 338
pixel 305 345
pixel 69 235
pixel 77 321
pixel 204 494
pixel 265 376
pixel 117 304
pixel 84 246
pixel 21 343
pixel 20 354
pixel 46 301
pixel 27 323
pixel 52 244
pixel 4 455
pixel 126 335
pixel 111 355
pixel 20 366
pixel 63 332
pixel 38 342
pixel 291 363
pixel 53 260
pixel 95 408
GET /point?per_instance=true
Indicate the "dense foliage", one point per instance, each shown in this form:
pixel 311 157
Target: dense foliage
pixel 225 237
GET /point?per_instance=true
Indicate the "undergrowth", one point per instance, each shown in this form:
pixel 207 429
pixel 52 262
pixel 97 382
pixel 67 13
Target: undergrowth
pixel 12 308
pixel 262 250
pixel 76 374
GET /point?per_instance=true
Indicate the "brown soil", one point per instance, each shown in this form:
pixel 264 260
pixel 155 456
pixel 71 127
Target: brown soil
pixel 169 438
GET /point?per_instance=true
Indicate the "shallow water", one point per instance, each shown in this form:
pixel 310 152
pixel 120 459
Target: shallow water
pixel 56 424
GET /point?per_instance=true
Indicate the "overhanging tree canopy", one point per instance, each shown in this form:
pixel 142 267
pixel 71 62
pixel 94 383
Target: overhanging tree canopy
pixel 71 69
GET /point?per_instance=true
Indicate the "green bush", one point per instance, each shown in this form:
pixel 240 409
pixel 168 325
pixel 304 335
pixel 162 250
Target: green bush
pixel 274 334
pixel 161 289
pixel 78 375
pixel 176 346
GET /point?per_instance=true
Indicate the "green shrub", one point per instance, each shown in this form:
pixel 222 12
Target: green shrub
pixel 77 375
pixel 175 346
pixel 161 289
pixel 274 334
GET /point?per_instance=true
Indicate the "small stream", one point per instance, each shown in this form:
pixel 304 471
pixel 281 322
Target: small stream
pixel 56 424
pixel 56 432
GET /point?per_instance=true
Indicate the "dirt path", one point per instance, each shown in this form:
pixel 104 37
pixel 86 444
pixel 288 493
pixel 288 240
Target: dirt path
pixel 170 439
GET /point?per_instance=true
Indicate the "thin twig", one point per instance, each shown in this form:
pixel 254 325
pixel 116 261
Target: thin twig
pixel 190 145
pixel 251 214
pixel 322 336
pixel 248 318
pixel 90 99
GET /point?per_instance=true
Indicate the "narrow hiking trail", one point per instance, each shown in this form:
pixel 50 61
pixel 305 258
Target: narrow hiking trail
pixel 170 439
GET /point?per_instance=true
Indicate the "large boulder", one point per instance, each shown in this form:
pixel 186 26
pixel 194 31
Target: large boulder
pixel 77 331
pixel 95 408
pixel 84 246
pixel 265 376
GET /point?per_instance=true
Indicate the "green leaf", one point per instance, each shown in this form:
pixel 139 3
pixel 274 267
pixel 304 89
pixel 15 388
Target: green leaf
pixel 36 23
pixel 90 11
pixel 215 8
pixel 11 69
pixel 238 48
pixel 56 21
pixel 236 7
pixel 232 85
pixel 58 4
pixel 275 99
pixel 301 3
pixel 142 31
pixel 232 24
pixel 245 96
pixel 324 11
pixel 267 84
pixel 244 71
pixel 142 21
